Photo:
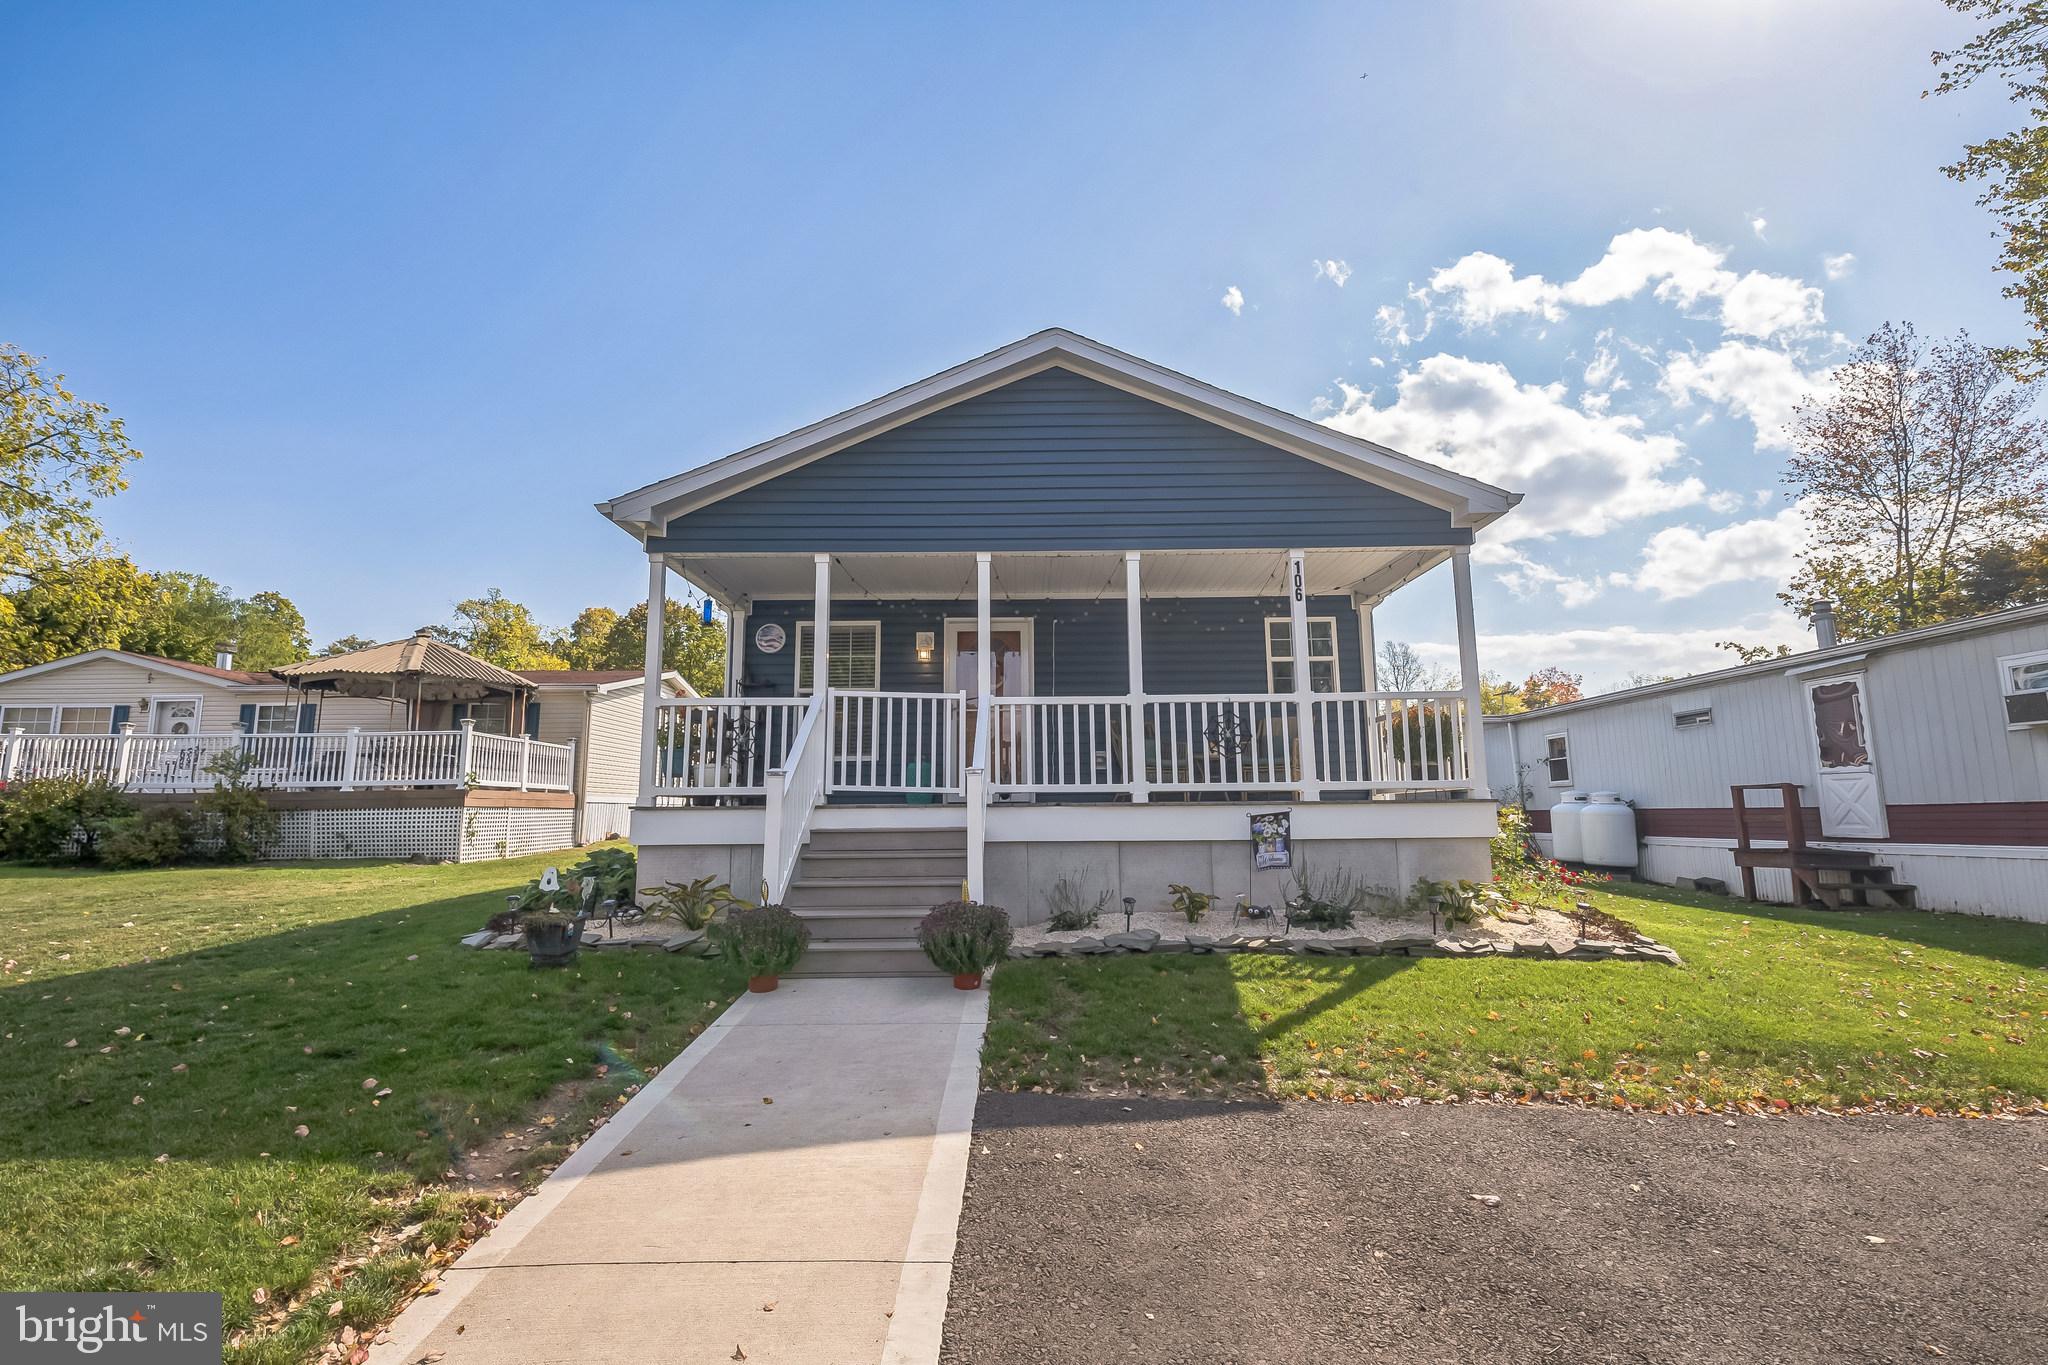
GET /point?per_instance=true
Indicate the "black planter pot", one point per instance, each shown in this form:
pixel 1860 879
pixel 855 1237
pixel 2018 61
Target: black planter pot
pixel 552 945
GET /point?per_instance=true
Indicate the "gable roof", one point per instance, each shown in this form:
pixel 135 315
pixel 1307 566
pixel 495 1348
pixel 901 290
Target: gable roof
pixel 232 677
pixel 645 511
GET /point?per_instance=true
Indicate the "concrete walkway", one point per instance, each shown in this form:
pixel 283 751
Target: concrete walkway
pixel 789 1187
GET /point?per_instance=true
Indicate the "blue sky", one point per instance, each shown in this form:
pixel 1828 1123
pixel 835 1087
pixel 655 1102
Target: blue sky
pixel 390 294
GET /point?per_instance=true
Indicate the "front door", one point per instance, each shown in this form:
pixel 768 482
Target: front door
pixel 1851 801
pixel 1009 674
pixel 174 716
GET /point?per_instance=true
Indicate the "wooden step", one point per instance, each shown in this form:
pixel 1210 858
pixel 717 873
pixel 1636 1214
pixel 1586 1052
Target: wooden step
pixel 874 862
pixel 887 893
pixel 935 840
pixel 861 923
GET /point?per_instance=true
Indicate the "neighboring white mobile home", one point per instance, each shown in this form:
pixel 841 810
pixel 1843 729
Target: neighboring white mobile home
pixel 1927 750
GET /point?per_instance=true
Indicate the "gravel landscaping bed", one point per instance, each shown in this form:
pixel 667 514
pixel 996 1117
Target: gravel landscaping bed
pixel 1169 1231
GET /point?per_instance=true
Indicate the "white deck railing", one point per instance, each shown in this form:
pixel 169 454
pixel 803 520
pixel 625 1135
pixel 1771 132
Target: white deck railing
pixel 330 759
pixel 911 743
pixel 796 787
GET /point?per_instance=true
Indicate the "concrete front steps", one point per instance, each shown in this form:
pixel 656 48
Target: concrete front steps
pixel 862 892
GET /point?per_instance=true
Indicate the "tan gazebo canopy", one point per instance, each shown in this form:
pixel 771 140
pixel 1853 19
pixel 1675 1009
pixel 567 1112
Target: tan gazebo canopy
pixel 416 670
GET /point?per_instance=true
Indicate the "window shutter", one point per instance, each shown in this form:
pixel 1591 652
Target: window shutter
pixel 458 715
pixel 249 718
pixel 120 719
pixel 308 717
pixel 533 720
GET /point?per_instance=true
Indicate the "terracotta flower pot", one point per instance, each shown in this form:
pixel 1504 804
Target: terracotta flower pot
pixel 761 985
pixel 967 981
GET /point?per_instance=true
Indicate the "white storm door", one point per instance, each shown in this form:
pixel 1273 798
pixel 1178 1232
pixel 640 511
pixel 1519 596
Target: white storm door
pixel 174 715
pixel 1851 800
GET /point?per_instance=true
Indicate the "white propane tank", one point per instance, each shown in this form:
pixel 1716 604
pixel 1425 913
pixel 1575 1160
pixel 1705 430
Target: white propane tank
pixel 1564 828
pixel 1607 832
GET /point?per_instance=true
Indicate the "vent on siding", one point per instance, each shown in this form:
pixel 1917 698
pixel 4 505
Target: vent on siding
pixel 1693 718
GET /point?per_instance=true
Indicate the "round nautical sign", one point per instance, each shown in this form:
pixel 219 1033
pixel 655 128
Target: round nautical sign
pixel 769 639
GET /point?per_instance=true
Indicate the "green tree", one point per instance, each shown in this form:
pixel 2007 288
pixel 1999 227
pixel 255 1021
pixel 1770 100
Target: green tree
pixel 95 604
pixel 1754 654
pixel 2006 575
pixel 192 617
pixel 1918 458
pixel 58 454
pixel 269 632
pixel 689 646
pixel 495 628
pixel 1499 697
pixel 2012 168
pixel 587 642
pixel 349 644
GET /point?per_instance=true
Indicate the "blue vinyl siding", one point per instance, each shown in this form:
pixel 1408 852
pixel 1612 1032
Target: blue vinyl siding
pixel 1058 461
pixel 1192 644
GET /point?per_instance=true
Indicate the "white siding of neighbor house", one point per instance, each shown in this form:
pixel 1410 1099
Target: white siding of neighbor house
pixel 117 682
pixel 1935 711
pixel 613 766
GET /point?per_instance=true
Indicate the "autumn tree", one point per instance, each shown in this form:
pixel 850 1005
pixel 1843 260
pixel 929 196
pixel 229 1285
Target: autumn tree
pixel 1552 686
pixel 2004 575
pixel 501 631
pixel 1918 458
pixel 1754 654
pixel 2012 168
pixel 58 454
pixel 1499 697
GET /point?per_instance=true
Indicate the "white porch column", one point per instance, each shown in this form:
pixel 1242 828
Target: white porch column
pixel 821 626
pixel 1368 648
pixel 735 646
pixel 984 655
pixel 650 701
pixel 1472 730
pixel 1134 714
pixel 1304 698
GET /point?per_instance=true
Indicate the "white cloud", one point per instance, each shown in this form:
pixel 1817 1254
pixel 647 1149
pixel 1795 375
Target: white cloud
pixel 1592 470
pixel 1757 224
pixel 1233 299
pixel 1839 265
pixel 1609 654
pixel 1336 272
pixel 1525 577
pixel 1684 271
pixel 1756 382
pixel 1603 371
pixel 1684 561
pixel 1394 328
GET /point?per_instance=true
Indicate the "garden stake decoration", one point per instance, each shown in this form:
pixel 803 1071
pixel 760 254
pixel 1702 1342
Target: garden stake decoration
pixel 1130 908
pixel 1583 914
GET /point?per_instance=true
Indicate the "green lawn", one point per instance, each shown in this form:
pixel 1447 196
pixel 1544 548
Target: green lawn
pixel 165 1035
pixel 1774 1007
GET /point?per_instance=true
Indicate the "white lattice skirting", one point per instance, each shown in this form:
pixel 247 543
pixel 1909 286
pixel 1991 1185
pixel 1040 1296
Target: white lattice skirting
pixel 446 835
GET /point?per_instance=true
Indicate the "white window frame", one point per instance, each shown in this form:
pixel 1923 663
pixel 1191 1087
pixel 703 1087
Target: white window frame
pixel 1550 772
pixel 803 635
pixel 505 706
pixel 64 714
pixel 1336 673
pixel 2012 664
pixel 290 710
pixel 49 719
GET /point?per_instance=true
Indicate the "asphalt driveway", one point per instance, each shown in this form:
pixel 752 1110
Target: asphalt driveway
pixel 1127 1229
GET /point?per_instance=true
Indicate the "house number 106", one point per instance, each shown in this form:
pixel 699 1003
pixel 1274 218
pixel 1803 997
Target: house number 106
pixel 1297 581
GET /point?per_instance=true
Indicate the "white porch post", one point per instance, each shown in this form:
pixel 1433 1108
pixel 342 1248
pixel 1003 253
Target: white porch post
pixel 1368 648
pixel 465 742
pixel 984 656
pixel 350 747
pixel 821 625
pixel 735 645
pixel 1472 730
pixel 1134 714
pixel 122 744
pixel 1304 699
pixel 650 700
pixel 982 710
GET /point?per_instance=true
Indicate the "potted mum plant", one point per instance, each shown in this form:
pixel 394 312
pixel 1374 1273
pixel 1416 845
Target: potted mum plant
pixel 965 939
pixel 766 940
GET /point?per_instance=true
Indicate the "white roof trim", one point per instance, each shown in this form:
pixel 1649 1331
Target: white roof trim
pixel 143 662
pixel 637 680
pixel 644 511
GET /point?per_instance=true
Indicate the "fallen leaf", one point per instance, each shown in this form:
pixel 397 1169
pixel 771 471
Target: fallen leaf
pixel 334 1309
pixel 259 1295
pixel 737 1353
pixel 301 1131
pixel 290 1241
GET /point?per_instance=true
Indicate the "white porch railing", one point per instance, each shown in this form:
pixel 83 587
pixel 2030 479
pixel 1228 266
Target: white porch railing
pixel 897 742
pixel 796 786
pixel 722 746
pixel 324 759
pixel 1392 740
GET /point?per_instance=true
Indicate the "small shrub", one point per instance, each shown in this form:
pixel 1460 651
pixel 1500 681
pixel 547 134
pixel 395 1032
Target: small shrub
pixel 964 938
pixel 692 904
pixel 765 940
pixel 237 815
pixel 47 818
pixel 1071 908
pixel 1459 902
pixel 1326 900
pixel 614 870
pixel 157 837
pixel 1190 902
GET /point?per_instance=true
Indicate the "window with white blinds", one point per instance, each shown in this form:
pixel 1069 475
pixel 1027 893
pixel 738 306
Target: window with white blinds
pixel 854 661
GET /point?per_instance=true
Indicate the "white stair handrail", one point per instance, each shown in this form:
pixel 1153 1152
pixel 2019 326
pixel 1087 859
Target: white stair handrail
pixel 977 802
pixel 795 788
